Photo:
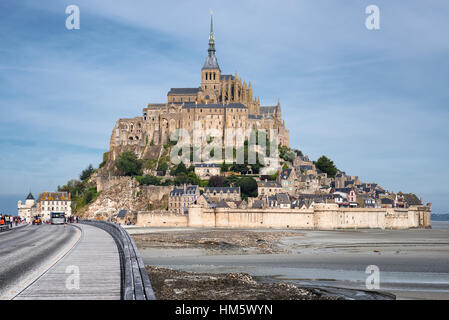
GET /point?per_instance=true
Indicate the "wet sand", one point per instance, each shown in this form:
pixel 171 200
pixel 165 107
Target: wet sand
pixel 413 264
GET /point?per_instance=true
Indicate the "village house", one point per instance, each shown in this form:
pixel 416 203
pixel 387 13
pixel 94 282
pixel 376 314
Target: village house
pixel 181 198
pixel 268 188
pixel 280 200
pixel 386 203
pixel 216 194
pixel 207 170
pixel 352 198
pixel 340 200
pixel 366 201
pixel 54 202
pixel 287 179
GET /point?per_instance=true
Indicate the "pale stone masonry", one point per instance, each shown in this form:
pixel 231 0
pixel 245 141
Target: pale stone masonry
pixel 182 197
pixel 318 217
pixel 222 101
pixel 207 170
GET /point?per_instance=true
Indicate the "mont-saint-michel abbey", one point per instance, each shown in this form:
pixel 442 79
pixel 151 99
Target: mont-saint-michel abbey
pixel 299 194
pixel 221 101
pixel 141 160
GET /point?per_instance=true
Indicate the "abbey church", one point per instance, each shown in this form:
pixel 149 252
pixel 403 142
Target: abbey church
pixel 221 101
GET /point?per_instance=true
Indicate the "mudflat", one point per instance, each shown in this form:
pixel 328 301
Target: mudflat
pixel 413 264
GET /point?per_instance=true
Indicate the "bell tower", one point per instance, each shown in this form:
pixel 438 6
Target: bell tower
pixel 210 73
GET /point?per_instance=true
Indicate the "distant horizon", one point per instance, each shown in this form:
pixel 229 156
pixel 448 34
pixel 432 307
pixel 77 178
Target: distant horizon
pixel 373 101
pixel 9 201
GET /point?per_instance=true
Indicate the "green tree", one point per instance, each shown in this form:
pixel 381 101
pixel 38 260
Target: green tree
pixel 248 187
pixel 224 167
pixel 90 195
pixel 190 178
pixel 180 168
pixel 298 152
pixel 326 165
pixel 149 180
pixel 87 173
pixel 163 166
pixel 218 181
pixel 128 164
pixel 232 180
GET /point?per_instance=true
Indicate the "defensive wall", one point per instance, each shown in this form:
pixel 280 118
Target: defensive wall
pixel 320 217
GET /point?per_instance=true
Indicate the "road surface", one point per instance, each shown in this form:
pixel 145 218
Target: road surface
pixel 27 252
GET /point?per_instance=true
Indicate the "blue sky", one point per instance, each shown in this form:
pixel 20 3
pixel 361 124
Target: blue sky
pixel 376 102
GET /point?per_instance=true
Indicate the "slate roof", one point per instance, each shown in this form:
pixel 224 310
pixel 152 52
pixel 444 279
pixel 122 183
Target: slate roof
pixel 222 204
pixel 412 199
pixel 226 77
pixel 282 198
pixel 211 62
pixel 183 91
pixel 257 204
pixel 268 109
pixel 269 184
pixel 30 196
pixel 349 182
pixel 344 190
pixel 315 197
pixel 221 189
pixel 386 201
pixel 214 106
pixel 285 174
pixel 253 116
pixel 206 165
pixel 190 190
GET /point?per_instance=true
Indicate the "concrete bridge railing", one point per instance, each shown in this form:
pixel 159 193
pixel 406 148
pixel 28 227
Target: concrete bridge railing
pixel 135 282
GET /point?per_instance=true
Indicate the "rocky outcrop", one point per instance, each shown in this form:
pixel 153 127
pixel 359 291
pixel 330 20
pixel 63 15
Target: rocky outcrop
pixel 127 195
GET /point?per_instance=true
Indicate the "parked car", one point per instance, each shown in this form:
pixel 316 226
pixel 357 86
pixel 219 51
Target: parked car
pixel 37 220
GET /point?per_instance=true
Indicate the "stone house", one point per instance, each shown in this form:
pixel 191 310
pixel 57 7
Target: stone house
pixel 268 188
pixel 280 200
pixel 340 200
pixel 54 202
pixel 207 170
pixel 217 194
pixel 288 180
pixel 181 198
pixel 366 201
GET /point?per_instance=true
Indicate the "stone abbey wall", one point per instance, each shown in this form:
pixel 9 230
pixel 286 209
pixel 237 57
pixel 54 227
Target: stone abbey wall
pixel 321 217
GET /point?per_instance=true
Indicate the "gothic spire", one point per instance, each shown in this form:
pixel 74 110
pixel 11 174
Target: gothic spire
pixel 211 35
pixel 211 60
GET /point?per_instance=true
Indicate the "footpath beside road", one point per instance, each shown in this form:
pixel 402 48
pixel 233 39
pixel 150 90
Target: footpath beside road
pixel 90 270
